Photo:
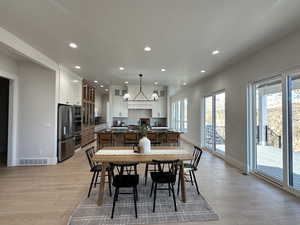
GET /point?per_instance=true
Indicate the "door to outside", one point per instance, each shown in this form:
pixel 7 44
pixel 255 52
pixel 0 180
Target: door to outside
pixel 4 98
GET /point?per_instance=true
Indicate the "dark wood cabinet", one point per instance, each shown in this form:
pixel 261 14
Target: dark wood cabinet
pixel 88 113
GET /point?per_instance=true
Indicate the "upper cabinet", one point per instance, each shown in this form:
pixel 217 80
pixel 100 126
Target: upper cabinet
pixel 119 107
pixel 70 87
pixel 159 107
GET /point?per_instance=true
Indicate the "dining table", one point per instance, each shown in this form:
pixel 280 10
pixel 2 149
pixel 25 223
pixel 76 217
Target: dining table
pixel 108 155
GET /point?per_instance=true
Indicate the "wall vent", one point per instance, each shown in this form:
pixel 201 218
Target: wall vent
pixel 33 162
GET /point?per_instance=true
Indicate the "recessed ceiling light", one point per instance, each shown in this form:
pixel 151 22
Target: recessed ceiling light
pixel 156 83
pixel 73 45
pixel 203 71
pixel 147 49
pixel 184 83
pixel 77 67
pixel 122 68
pixel 95 81
pixel 101 86
pixel 163 70
pixel 215 52
pixel 126 82
pixel 75 81
pixel 106 89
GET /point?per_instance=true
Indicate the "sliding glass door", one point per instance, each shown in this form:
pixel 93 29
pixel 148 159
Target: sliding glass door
pixel 214 122
pixel 295 132
pixel 275 129
pixel 208 122
pixel 220 122
pixel 269 156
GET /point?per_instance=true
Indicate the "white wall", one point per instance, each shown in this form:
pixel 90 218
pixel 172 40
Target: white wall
pixel 278 57
pixel 36 115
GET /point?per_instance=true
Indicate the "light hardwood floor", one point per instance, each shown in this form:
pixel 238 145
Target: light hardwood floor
pixel 47 195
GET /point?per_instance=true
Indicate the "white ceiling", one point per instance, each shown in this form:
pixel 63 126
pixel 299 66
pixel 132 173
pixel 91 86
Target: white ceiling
pixel 181 33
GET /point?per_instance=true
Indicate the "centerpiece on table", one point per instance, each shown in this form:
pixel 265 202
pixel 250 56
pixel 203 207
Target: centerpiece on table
pixel 144 142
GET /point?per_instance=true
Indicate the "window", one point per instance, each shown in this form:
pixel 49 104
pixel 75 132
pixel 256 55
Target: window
pixel 180 115
pixel 208 122
pixel 173 119
pixel 274 125
pixel 185 115
pixel 214 122
pixel 269 128
pixel 220 122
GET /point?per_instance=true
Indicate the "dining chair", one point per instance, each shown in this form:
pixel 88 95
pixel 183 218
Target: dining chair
pixel 173 138
pixel 165 174
pixel 126 177
pixel 105 139
pixel 96 169
pixel 131 138
pixel 191 167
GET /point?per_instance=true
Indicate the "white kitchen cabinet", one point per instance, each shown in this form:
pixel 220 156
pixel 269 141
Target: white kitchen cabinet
pixel 119 106
pixel 159 107
pixel 70 87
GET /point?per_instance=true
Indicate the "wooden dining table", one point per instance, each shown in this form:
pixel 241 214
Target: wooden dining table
pixel 126 154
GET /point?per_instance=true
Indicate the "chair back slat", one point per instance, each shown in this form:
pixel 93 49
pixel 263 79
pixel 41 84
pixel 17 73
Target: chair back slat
pixel 90 152
pixel 170 166
pixel 196 156
pixel 124 168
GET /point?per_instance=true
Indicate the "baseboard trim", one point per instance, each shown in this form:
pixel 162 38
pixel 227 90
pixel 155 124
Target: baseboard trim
pixel 228 159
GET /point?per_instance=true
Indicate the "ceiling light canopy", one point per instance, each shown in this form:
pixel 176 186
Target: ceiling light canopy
pixel 147 49
pixel 203 71
pixel 215 52
pixel 77 67
pixel 163 70
pixel 122 68
pixel 73 45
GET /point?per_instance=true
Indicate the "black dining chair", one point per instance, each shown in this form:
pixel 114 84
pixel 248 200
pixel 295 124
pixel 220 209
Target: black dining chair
pixel 191 167
pixel 165 174
pixel 96 169
pixel 126 177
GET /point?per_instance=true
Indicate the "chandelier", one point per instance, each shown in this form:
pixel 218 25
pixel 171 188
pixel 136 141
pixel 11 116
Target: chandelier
pixel 154 96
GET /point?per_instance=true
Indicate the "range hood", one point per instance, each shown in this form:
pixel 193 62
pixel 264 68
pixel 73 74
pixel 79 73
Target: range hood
pixel 139 105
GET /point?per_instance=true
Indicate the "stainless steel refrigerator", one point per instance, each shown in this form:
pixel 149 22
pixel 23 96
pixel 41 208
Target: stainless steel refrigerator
pixel 66 142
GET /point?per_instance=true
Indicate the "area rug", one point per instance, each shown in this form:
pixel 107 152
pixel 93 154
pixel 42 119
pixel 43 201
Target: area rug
pixel 195 209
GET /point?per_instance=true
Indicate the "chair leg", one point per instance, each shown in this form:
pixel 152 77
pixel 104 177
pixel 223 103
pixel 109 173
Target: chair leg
pixel 135 199
pixel 151 188
pixel 179 180
pixel 169 189
pixel 195 182
pixel 172 188
pixel 191 178
pixel 114 204
pixel 91 185
pixel 109 182
pixel 97 175
pixel 155 189
pixel 146 173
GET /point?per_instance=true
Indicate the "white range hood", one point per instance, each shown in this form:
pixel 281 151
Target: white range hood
pixel 140 105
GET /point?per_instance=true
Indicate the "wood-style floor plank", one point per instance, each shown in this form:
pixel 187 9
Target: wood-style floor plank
pixel 47 195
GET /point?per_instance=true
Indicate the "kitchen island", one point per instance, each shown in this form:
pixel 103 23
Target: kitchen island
pixel 129 137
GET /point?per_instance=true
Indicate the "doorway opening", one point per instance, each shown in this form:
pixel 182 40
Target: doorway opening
pixel 4 112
